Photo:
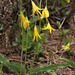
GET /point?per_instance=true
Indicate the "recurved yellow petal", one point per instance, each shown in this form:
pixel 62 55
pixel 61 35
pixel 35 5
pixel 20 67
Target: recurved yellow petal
pixel 68 1
pixel 22 18
pixel 66 48
pixel 36 34
pixel 45 13
pixel 24 21
pixel 48 27
pixel 35 9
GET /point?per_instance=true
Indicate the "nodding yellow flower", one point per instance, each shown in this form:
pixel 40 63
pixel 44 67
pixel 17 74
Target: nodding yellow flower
pixel 45 13
pixel 48 27
pixel 35 9
pixel 24 21
pixel 36 34
pixel 66 48
pixel 68 1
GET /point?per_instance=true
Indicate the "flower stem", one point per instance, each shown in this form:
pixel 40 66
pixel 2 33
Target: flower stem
pixel 40 3
pixel 37 3
pixel 33 58
pixel 40 19
pixel 46 3
pixel 26 50
pixel 20 5
pixel 32 61
pixel 22 47
pixel 22 39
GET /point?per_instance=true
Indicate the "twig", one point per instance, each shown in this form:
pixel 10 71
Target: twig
pixel 62 22
pixel 72 43
pixel 53 43
pixel 74 18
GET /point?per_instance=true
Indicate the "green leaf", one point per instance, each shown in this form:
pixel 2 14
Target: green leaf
pixel 64 41
pixel 67 13
pixel 58 24
pixel 69 39
pixel 53 73
pixel 3 59
pixel 56 9
pixel 66 32
pixel 6 63
pixel 1 27
pixel 60 31
pixel 46 68
pixel 41 58
pixel 12 67
pixel 35 19
pixel 63 2
pixel 18 66
pixel 14 43
pixel 68 61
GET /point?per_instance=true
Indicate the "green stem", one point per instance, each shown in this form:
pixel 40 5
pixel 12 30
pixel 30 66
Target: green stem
pixel 37 3
pixel 22 48
pixel 32 61
pixel 1 69
pixel 40 3
pixel 26 49
pixel 40 19
pixel 22 38
pixel 20 5
pixel 39 25
pixel 33 58
pixel 46 3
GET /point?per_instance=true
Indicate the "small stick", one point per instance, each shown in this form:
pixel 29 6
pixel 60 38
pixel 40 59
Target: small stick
pixel 62 22
pixel 53 43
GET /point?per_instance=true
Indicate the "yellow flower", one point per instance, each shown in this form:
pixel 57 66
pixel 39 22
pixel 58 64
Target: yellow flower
pixel 24 21
pixel 66 48
pixel 68 1
pixel 45 13
pixel 35 9
pixel 48 27
pixel 36 34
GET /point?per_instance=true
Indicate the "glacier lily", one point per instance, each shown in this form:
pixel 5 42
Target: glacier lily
pixel 45 13
pixel 66 48
pixel 68 1
pixel 35 9
pixel 36 34
pixel 24 21
pixel 48 27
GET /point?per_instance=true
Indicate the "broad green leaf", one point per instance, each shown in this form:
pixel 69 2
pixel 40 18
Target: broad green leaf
pixel 60 31
pixel 3 59
pixel 66 32
pixel 6 63
pixel 46 68
pixel 41 58
pixel 14 43
pixel 12 67
pixel 58 24
pixel 53 73
pixel 63 2
pixel 35 19
pixel 1 27
pixel 69 39
pixel 64 41
pixel 56 9
pixel 67 13
pixel 18 66
pixel 68 61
